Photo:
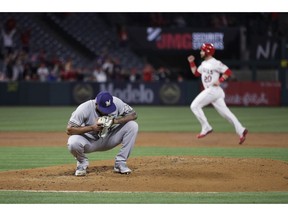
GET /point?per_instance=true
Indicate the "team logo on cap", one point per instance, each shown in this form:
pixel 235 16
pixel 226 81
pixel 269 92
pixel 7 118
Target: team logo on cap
pixel 108 103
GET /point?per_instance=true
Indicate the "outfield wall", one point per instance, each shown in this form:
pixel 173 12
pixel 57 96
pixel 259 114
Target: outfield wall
pixel 140 93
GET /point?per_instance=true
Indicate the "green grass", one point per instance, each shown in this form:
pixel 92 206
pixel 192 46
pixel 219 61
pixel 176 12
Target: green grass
pixel 168 119
pixel 34 118
pixel 257 119
pixel 142 197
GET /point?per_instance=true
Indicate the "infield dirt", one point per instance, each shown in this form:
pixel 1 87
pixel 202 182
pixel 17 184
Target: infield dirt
pixel 158 174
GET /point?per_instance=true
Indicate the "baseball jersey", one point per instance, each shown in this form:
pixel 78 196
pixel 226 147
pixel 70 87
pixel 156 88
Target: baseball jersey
pixel 86 115
pixel 210 71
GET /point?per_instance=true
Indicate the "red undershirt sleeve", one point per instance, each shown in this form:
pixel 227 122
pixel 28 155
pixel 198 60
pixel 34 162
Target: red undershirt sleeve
pixel 197 74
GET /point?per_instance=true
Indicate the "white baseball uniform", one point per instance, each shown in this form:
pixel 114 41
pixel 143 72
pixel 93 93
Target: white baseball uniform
pixel 85 115
pixel 210 71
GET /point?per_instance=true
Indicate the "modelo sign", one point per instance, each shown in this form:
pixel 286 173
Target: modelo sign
pixel 165 93
pixel 131 94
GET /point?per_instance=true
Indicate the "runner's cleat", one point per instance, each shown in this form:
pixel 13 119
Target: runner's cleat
pixel 242 139
pixel 203 135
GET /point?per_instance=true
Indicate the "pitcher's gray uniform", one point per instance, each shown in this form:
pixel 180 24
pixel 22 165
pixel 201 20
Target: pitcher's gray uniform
pixel 123 131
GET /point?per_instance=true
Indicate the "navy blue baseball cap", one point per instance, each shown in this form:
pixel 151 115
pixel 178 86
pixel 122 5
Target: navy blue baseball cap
pixel 105 102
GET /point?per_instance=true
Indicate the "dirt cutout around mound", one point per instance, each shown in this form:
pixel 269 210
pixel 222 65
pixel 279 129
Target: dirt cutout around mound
pixel 156 174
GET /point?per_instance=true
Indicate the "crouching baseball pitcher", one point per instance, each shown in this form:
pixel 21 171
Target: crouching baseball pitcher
pixel 100 125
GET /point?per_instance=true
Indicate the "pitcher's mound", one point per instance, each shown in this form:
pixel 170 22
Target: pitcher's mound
pixel 158 174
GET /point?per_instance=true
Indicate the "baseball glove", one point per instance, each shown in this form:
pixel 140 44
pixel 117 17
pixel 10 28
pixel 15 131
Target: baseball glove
pixel 106 122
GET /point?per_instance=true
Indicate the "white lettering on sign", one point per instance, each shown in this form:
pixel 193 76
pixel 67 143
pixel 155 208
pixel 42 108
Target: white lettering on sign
pixel 153 33
pixel 267 50
pixel 216 38
pixel 129 94
pixel 247 99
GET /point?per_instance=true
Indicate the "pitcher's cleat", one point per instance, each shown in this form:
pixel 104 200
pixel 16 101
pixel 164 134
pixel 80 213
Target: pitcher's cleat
pixel 205 134
pixel 122 168
pixel 243 138
pixel 80 171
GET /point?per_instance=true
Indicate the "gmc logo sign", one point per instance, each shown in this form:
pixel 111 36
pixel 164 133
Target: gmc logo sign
pixel 187 41
pixel 174 41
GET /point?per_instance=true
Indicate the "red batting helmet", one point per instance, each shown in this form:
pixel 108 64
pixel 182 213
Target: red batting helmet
pixel 208 48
